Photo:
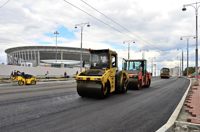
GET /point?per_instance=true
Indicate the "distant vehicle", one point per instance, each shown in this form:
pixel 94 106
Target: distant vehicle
pixel 138 75
pixel 165 73
pixel 24 79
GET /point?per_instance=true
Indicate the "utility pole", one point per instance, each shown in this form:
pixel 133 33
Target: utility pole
pixel 196 7
pixel 56 33
pixel 182 63
pixel 81 25
pixel 187 38
pixel 152 65
pixel 143 53
pixel 128 42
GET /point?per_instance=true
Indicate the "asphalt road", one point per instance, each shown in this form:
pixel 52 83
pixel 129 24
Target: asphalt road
pixel 56 107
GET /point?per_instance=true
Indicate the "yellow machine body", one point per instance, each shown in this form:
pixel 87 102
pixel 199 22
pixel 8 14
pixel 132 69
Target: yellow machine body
pixel 24 79
pixel 102 78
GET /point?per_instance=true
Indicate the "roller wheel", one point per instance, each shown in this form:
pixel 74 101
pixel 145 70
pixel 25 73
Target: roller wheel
pixel 139 85
pixel 121 83
pixel 20 83
pixel 105 91
pixel 80 93
pixel 148 83
pixel 33 82
pixel 124 86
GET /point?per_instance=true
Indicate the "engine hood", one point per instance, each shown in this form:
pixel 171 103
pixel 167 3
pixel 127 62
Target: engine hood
pixel 93 72
pixel 135 72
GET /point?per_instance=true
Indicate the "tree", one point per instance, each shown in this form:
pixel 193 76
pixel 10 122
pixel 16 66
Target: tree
pixel 191 70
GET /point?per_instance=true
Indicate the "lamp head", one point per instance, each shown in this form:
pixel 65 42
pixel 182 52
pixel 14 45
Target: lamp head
pixel 183 9
pixel 75 27
pixel 88 25
pixel 181 38
pixel 56 32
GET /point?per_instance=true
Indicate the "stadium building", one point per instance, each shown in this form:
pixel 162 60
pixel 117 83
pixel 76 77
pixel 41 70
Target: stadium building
pixel 46 56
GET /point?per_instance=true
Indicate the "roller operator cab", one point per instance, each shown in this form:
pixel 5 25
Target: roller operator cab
pixel 103 76
pixel 138 75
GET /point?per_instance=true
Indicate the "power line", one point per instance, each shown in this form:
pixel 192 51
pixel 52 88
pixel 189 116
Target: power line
pixel 4 4
pixel 108 24
pixel 115 22
pixel 94 17
pixel 105 15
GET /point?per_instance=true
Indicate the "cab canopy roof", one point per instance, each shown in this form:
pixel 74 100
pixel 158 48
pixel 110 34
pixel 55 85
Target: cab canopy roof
pixel 102 51
pixel 135 60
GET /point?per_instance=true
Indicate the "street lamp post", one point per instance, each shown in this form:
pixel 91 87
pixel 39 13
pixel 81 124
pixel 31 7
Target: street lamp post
pixel 152 64
pixel 128 42
pixel 56 33
pixel 181 62
pixel 178 65
pixel 187 38
pixel 196 7
pixel 143 53
pixel 81 25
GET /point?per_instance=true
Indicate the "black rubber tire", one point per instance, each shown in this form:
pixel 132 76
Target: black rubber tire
pixel 80 94
pixel 108 88
pixel 20 83
pixel 33 82
pixel 124 88
pixel 139 85
pixel 120 85
pixel 149 83
pixel 104 92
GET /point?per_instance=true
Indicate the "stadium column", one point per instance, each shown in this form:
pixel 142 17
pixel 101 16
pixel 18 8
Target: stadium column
pixel 31 55
pixel 20 54
pixel 28 57
pixel 61 58
pixel 18 58
pixel 25 54
pixel 38 58
pixel 35 58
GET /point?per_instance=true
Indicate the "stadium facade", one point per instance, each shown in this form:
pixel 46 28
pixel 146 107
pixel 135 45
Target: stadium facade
pixel 46 55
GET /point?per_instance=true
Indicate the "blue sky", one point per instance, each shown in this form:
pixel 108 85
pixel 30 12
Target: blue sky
pixel 63 33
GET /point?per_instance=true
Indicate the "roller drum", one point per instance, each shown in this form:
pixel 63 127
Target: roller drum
pixel 89 89
pixel 132 83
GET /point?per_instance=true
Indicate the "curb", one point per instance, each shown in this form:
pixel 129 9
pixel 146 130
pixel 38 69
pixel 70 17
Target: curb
pixel 176 112
pixel 40 82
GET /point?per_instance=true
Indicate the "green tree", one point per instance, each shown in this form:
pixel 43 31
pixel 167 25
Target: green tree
pixel 191 70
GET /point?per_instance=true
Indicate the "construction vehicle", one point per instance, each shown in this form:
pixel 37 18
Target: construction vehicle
pixel 24 79
pixel 138 75
pixel 165 73
pixel 103 76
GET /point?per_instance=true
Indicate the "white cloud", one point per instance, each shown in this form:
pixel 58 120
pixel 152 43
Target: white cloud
pixel 155 25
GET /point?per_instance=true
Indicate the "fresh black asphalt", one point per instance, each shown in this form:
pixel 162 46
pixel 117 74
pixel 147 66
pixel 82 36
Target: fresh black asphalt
pixel 143 110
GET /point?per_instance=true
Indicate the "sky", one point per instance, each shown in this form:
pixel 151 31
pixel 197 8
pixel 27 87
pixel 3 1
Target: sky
pixel 155 26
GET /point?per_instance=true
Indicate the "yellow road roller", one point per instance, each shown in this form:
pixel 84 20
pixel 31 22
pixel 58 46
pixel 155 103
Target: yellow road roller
pixel 24 79
pixel 103 76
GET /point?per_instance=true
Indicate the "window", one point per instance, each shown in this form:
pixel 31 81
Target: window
pixel 114 61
